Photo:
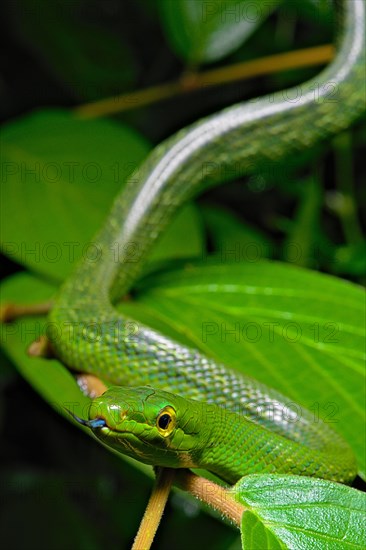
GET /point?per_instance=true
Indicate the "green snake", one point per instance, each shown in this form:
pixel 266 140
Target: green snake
pixel 169 405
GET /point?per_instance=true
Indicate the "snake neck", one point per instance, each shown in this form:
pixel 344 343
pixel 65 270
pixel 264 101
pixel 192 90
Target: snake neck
pixel 241 447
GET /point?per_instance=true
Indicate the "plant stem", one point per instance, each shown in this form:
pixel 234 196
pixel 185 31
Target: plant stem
pixel 196 81
pixel 154 510
pixel 212 494
pixel 41 347
pixel 11 312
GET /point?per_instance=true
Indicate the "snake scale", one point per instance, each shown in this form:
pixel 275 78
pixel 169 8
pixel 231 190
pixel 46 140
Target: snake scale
pixel 170 405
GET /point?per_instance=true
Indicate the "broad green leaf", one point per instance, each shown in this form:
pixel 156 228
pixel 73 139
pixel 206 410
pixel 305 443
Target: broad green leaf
pixel 295 330
pixel 49 377
pixel 201 31
pixel 255 534
pixel 78 43
pixel 60 175
pixel 295 513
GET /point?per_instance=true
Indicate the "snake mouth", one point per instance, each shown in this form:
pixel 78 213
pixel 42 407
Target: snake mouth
pixel 127 442
pixel 98 423
pixel 128 439
pixel 95 423
pixel 107 431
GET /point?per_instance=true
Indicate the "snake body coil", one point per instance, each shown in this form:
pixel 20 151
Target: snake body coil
pixel 263 437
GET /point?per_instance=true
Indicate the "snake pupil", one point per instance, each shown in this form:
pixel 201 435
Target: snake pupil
pixel 164 421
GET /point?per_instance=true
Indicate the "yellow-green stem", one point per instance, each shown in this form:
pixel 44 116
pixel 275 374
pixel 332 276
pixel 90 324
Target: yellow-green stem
pixel 155 509
pixel 190 82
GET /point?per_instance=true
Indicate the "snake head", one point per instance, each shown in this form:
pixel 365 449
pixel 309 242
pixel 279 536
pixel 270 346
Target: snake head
pixel 152 426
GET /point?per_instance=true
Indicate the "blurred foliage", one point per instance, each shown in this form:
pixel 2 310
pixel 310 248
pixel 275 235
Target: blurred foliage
pixel 201 31
pixel 71 162
pixel 61 489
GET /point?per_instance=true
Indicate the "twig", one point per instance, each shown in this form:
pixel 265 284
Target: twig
pixel 212 494
pixel 41 347
pixel 11 312
pixel 190 82
pixel 154 510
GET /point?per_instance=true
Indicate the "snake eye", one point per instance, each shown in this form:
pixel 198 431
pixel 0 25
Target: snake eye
pixel 165 421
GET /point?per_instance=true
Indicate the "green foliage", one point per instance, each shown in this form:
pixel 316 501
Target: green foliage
pixel 297 330
pixel 292 512
pixel 69 170
pixel 201 31
pixel 55 383
pixel 57 163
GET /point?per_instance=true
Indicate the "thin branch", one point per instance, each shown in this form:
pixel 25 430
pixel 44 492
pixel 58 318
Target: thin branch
pixel 308 57
pixel 155 509
pixel 212 494
pixel 11 312
pixel 41 347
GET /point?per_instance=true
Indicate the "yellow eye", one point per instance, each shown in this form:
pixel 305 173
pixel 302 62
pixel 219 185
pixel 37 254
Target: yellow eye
pixel 166 421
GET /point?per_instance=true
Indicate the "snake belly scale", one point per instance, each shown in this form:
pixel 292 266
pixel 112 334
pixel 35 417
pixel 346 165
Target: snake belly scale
pixel 170 405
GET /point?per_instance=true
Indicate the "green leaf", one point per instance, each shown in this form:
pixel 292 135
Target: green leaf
pixel 201 31
pixel 295 512
pixel 50 378
pixel 67 172
pixel 255 535
pixel 295 330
